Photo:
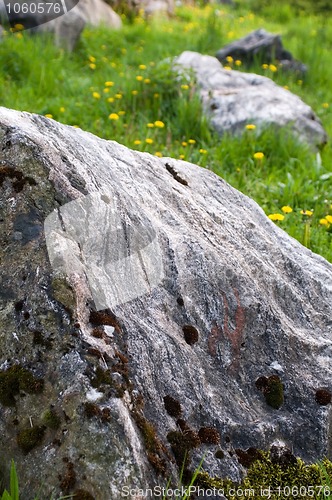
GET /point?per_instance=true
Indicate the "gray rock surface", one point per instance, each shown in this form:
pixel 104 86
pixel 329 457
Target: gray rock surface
pixel 233 338
pixel 233 98
pixel 262 46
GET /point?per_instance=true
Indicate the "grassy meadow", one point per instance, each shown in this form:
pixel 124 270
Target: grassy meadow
pixel 119 85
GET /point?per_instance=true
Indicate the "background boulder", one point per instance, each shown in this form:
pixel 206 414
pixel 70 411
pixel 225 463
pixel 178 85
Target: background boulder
pixel 263 47
pixel 233 98
pixel 226 346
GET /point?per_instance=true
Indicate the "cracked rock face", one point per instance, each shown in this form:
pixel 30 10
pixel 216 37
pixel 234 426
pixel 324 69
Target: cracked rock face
pixel 222 342
pixel 232 99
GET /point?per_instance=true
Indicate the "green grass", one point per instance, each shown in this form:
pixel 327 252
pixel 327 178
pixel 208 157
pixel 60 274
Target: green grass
pixel 36 76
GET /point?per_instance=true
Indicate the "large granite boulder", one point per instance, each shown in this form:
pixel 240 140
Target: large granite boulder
pixel 262 46
pixel 147 308
pixel 233 98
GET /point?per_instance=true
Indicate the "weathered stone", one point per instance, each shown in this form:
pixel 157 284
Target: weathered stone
pixel 130 393
pixel 233 98
pixel 67 29
pixel 264 47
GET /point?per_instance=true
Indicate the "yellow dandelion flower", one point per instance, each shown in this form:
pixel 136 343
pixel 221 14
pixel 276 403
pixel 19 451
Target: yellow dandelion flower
pixel 147 80
pixel 148 140
pixel 62 109
pixel 137 142
pixel 106 90
pixel 158 153
pixel 19 27
pixel 156 95
pixel 18 35
pixel 286 87
pixel 329 218
pixel 250 126
pixel 203 151
pixel 150 125
pixel 109 84
pixel 273 68
pixel 48 115
pixel 324 222
pixel 276 217
pixel 134 92
pixel 185 86
pixel 287 209
pixel 259 155
pixel 113 116
pixel 227 68
pixel 142 66
pixel 184 144
pixel 118 96
pixel 92 59
pixel 121 113
pixel 96 95
pixel 92 66
pixel 181 157
pixel 191 141
pixel 110 99
pixel 113 64
pixel 159 124
pixel 265 66
pixel 139 78
pixel 307 212
pixel 238 62
pixel 325 105
pixel 229 59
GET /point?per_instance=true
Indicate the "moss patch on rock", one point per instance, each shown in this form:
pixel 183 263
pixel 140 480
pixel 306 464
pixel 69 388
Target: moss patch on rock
pixel 265 475
pixel 29 438
pixel 16 379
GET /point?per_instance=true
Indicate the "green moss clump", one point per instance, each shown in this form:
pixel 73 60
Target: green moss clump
pixel 265 475
pixel 63 293
pixel 51 419
pixel 154 447
pixel 27 439
pixel 101 377
pixel 17 379
pixel 274 392
pixel 272 389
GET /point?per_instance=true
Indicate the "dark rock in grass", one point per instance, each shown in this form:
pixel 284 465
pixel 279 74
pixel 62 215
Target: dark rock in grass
pixel 125 236
pixel 233 99
pixel 261 46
